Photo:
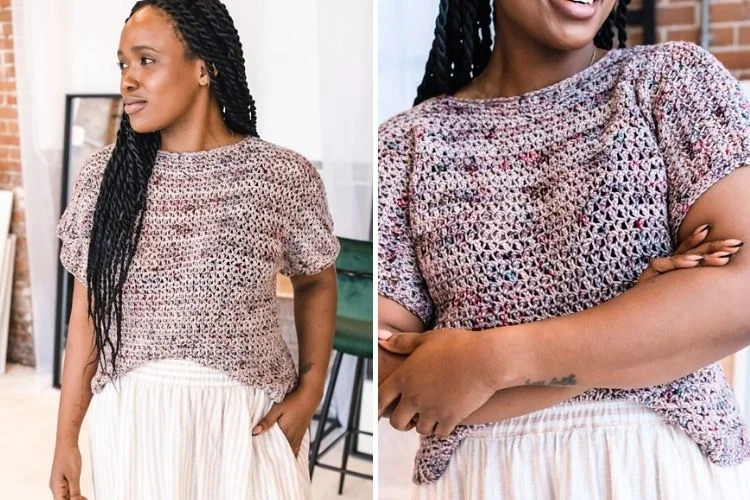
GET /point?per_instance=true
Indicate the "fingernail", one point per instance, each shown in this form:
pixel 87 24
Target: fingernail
pixel 384 334
pixel 694 258
pixel 256 429
pixel 704 227
pixel 734 243
pixel 721 255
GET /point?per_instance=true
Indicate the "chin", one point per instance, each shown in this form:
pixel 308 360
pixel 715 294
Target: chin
pixel 142 126
pixel 570 38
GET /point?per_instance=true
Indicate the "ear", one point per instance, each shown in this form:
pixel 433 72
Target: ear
pixel 203 79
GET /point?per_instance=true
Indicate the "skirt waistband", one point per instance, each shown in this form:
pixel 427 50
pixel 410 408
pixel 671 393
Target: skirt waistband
pixel 181 372
pixel 569 416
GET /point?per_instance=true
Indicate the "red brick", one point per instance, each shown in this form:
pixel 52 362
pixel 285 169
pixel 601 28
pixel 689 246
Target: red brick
pixel 723 36
pixel 744 35
pixel 6 112
pixel 684 34
pixel 21 340
pixel 11 140
pixel 734 59
pixel 720 36
pixel 666 16
pixel 730 12
pixel 635 37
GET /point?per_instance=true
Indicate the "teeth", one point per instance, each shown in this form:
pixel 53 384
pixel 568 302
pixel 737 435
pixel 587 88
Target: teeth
pixel 584 2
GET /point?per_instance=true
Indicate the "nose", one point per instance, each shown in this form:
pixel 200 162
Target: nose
pixel 127 82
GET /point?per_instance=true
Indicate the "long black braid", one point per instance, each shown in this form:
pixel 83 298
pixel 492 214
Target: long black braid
pixel 208 32
pixel 463 44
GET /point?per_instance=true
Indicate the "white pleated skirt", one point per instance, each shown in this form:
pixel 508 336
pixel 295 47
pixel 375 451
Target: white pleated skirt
pixel 591 451
pixel 175 430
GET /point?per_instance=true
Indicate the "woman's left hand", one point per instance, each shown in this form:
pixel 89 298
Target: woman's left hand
pixel 439 384
pixel 293 415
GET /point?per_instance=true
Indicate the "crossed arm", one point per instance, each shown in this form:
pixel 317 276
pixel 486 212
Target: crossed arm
pixel 502 405
pixel 673 325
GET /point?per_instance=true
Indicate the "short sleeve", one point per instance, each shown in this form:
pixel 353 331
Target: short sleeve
pixel 399 275
pixel 310 245
pixel 74 225
pixel 703 126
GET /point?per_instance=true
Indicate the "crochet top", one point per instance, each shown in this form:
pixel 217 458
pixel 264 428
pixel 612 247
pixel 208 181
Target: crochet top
pixel 218 225
pixel 509 210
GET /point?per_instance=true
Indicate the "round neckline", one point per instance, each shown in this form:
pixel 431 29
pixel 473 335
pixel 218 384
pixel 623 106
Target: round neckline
pixel 557 87
pixel 204 153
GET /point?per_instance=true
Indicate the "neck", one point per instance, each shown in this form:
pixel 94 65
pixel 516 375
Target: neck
pixel 519 64
pixel 200 129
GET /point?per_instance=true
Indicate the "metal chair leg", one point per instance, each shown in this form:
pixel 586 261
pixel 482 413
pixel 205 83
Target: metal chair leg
pixel 357 417
pixel 325 409
pixel 352 424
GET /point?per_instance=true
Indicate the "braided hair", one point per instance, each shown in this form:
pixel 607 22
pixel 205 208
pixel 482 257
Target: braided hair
pixel 463 44
pixel 208 32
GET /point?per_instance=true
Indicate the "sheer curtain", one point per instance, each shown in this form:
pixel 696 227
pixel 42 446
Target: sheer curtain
pixel 346 97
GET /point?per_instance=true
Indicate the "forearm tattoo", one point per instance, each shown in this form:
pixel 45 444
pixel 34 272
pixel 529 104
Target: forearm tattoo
pixel 305 367
pixel 569 380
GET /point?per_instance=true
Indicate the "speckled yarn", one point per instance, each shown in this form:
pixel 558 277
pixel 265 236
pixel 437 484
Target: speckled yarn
pixel 219 224
pixel 510 210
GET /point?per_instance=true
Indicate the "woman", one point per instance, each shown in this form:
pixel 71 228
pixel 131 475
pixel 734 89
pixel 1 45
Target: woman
pixel 520 199
pixel 175 234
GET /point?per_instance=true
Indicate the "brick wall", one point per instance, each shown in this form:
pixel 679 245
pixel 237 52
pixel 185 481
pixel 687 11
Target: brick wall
pixel 730 29
pixel 21 343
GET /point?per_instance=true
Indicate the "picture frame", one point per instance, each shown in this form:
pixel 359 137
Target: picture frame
pixel 91 122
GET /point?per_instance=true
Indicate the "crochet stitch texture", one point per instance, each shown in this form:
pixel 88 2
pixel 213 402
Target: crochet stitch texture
pixel 219 224
pixel 510 210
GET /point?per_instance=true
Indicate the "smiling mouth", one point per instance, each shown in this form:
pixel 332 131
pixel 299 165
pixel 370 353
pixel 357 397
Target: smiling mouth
pixel 578 10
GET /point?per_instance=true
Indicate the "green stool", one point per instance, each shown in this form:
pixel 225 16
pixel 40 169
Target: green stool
pixel 353 337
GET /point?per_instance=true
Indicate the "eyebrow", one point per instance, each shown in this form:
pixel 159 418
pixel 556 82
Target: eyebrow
pixel 139 48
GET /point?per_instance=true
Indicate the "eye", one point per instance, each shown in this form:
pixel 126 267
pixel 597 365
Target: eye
pixel 145 61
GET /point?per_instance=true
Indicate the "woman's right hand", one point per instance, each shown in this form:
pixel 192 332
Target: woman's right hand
pixel 65 478
pixel 693 252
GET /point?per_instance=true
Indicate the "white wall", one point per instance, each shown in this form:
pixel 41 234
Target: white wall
pixel 69 46
pixel 405 33
pixel 280 46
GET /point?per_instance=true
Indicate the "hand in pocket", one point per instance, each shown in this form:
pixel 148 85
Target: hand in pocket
pixel 293 415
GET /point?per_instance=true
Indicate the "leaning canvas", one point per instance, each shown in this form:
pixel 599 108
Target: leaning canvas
pixel 6 212
pixel 6 292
